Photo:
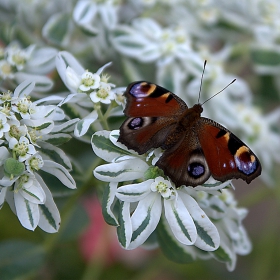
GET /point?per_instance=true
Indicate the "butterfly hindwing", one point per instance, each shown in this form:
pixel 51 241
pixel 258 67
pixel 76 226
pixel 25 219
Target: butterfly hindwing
pixel 185 163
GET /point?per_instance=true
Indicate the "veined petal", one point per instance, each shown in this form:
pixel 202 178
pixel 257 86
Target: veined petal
pixel 27 212
pixel 180 221
pixel 122 171
pixel 145 219
pixel 208 238
pixel 134 192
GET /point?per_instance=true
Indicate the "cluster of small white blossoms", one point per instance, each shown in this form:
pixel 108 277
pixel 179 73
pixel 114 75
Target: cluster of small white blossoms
pixel 88 91
pixel 205 217
pixel 26 127
pixel 17 65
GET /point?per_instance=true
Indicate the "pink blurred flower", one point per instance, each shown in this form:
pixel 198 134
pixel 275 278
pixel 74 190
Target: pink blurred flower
pixel 100 242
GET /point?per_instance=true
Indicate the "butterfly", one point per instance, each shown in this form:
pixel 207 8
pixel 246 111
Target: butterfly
pixel 194 147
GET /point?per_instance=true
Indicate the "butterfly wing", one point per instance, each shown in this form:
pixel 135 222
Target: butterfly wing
pixel 185 163
pixel 226 155
pixel 152 112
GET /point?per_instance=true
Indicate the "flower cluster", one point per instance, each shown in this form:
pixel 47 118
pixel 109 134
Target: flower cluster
pixel 88 91
pixel 147 201
pixel 26 132
pixel 18 64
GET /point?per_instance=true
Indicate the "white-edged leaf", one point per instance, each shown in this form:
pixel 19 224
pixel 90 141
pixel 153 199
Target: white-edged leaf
pixel 24 89
pixel 60 172
pixel 57 29
pixel 108 202
pixel 34 193
pixel 3 192
pixel 208 238
pixel 42 83
pixel 42 60
pixel 44 125
pixel 124 230
pixel 134 192
pixel 49 214
pixel 66 127
pixel 55 153
pixel 27 212
pixel 180 221
pixel 104 148
pixel 145 219
pixel 56 139
pixel 82 126
pixel 122 171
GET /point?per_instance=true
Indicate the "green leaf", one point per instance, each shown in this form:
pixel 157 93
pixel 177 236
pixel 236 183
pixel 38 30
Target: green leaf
pixel 57 139
pixel 221 255
pixel 124 229
pixel 173 249
pixel 266 57
pixel 56 30
pixel 19 258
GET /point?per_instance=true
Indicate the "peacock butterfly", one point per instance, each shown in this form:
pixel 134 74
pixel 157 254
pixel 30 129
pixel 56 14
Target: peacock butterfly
pixel 194 147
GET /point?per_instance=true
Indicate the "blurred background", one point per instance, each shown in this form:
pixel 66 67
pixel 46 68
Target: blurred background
pixel 165 42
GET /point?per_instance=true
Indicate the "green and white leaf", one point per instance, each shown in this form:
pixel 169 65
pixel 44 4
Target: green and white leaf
pixel 49 151
pixel 208 238
pixel 180 221
pixel 82 126
pixel 60 172
pixel 104 148
pixel 144 219
pixel 122 171
pixel 172 249
pixel 49 214
pixel 134 192
pixel 27 212
pixel 124 230
pixel 108 202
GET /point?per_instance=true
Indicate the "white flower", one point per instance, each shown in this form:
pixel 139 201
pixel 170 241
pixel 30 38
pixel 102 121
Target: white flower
pixel 4 126
pixel 6 70
pixel 89 81
pixel 34 163
pixel 104 94
pixel 22 148
pixel 21 106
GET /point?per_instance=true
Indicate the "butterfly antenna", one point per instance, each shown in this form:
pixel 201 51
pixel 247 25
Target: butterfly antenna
pixel 219 91
pixel 201 80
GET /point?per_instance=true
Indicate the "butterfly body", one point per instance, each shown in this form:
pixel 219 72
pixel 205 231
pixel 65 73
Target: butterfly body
pixel 194 147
